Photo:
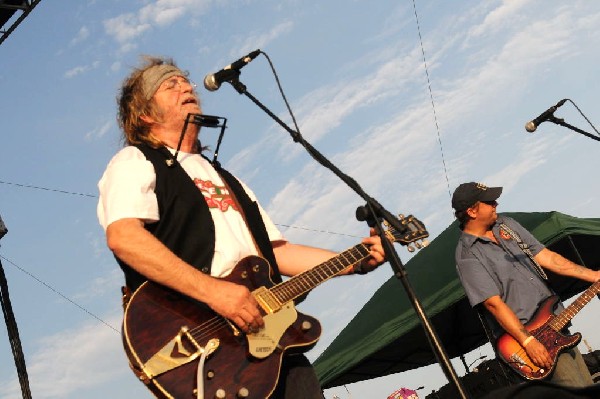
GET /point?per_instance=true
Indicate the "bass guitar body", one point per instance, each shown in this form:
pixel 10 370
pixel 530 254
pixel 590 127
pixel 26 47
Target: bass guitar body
pixel 540 326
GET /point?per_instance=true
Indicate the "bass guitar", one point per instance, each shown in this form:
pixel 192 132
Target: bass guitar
pixel 546 328
pixel 181 349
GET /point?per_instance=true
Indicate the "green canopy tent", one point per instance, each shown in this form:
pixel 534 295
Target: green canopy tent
pixel 386 335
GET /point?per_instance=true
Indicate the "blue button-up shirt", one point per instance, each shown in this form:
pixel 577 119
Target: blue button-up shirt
pixel 487 269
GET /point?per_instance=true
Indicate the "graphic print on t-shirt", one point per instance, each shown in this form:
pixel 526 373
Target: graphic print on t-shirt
pixel 215 196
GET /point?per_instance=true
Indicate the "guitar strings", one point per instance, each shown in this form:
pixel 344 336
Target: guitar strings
pixel 206 330
pixel 291 289
pixel 286 292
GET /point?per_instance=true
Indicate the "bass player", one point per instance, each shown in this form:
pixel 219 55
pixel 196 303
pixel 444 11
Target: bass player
pixel 501 267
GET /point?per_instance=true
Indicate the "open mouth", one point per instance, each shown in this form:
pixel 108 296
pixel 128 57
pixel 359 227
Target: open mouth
pixel 190 100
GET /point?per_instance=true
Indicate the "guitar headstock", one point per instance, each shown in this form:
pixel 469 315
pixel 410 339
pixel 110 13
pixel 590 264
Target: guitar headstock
pixel 414 232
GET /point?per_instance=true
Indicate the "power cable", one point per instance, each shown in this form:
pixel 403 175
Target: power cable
pixel 57 292
pixel 47 189
pixel 96 196
pixel 437 127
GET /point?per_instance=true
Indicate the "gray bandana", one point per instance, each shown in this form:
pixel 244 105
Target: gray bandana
pixel 154 76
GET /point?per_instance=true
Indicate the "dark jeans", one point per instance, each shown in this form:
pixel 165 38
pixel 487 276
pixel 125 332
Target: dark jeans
pixel 571 370
pixel 297 380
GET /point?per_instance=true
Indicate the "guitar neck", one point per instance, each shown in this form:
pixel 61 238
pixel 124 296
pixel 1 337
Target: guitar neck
pixel 561 320
pixel 306 281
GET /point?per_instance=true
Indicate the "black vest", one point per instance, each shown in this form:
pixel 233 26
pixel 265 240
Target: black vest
pixel 186 226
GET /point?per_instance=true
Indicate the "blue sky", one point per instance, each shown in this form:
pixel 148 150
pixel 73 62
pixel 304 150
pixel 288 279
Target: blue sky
pixel 353 72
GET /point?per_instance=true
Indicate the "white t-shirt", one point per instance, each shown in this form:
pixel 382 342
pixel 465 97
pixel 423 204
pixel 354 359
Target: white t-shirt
pixel 127 191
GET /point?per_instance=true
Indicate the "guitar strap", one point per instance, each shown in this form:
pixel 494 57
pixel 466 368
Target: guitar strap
pixel 525 248
pixel 251 215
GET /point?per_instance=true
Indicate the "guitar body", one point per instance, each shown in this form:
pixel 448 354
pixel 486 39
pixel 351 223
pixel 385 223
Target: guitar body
pixel 513 354
pixel 165 335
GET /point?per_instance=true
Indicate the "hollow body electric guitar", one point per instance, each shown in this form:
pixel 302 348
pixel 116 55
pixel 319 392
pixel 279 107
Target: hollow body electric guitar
pixel 181 349
pixel 545 327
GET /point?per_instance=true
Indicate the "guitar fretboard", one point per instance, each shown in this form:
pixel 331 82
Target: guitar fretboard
pixel 306 281
pixel 561 320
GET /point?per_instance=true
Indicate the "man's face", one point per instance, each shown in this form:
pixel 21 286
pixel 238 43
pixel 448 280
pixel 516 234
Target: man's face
pixel 175 98
pixel 486 211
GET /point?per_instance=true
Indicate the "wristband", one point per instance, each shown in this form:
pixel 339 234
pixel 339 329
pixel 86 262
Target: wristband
pixel 527 340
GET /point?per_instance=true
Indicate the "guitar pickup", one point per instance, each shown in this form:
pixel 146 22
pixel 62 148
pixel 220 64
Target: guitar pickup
pixel 177 353
pixel 267 301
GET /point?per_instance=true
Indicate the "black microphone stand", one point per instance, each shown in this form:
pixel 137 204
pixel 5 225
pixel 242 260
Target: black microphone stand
pixel 375 214
pixel 560 121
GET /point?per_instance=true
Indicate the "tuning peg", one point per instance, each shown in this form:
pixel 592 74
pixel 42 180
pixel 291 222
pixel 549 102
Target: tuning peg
pixel 410 248
pixel 424 243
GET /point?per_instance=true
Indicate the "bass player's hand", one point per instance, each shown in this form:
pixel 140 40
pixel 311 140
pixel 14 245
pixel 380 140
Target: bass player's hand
pixel 538 354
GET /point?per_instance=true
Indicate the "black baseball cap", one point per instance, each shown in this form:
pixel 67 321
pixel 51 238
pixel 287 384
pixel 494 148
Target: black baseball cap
pixel 467 194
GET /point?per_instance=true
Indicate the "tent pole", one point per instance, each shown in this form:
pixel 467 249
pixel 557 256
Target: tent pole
pixel 579 258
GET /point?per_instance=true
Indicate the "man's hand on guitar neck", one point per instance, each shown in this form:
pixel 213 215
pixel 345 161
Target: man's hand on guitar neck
pixel 375 250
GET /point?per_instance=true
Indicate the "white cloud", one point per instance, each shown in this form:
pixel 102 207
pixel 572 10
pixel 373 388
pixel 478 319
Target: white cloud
pixel 323 110
pixel 497 19
pixel 99 131
pixel 102 285
pixel 165 12
pixel 81 36
pixel 79 70
pixel 71 361
pixel 261 40
pixel 127 27
pixel 528 159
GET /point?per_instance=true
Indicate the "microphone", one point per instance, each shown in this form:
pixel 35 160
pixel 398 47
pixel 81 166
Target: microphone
pixel 213 81
pixel 531 126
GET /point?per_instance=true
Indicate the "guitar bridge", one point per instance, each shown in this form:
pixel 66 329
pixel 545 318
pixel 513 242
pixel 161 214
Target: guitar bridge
pixel 517 359
pixel 176 353
pixel 522 363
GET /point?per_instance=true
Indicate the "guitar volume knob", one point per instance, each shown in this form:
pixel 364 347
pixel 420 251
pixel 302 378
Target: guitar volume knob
pixel 243 393
pixel 220 394
pixel 306 325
